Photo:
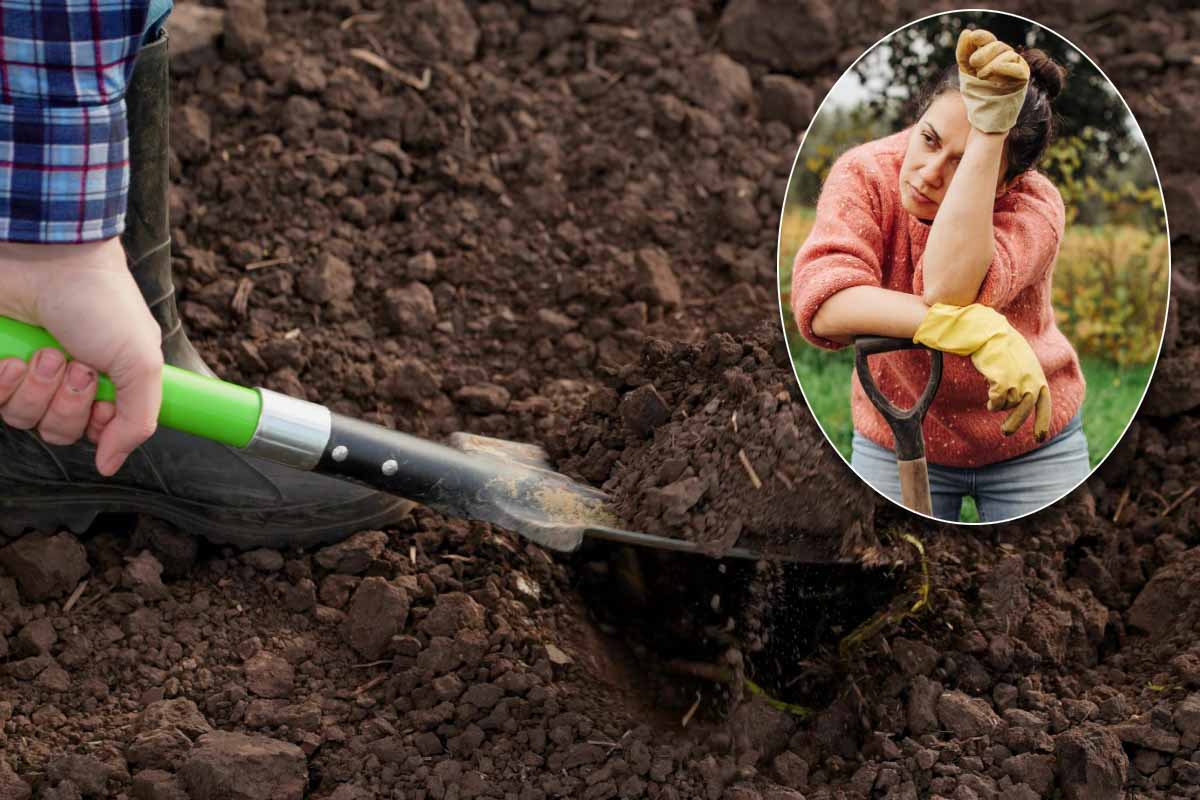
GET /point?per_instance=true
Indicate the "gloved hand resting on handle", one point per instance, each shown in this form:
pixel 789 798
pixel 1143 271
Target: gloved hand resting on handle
pixel 1000 353
pixel 992 78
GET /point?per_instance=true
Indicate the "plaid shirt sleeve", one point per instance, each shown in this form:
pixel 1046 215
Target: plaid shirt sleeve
pixel 64 147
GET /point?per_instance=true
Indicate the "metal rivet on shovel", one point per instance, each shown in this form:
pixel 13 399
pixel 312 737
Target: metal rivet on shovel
pixel 340 452
pixel 905 424
pixel 390 467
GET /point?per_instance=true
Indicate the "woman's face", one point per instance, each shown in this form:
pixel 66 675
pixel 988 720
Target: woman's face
pixel 934 149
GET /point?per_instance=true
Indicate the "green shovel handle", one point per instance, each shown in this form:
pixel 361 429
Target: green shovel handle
pixel 196 404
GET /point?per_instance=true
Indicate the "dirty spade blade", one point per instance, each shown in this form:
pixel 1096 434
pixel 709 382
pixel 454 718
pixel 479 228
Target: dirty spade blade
pixel 551 509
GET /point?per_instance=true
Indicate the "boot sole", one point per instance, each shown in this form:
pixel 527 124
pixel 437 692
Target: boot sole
pixel 218 525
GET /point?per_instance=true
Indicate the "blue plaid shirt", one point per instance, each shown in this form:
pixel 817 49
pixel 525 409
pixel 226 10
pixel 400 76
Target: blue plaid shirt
pixel 64 147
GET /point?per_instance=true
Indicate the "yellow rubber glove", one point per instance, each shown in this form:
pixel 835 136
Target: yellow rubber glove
pixel 992 78
pixel 1000 353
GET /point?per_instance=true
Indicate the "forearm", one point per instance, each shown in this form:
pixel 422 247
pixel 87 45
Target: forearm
pixel 869 310
pixel 961 245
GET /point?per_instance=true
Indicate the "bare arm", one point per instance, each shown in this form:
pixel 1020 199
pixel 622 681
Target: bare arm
pixel 869 310
pixel 961 245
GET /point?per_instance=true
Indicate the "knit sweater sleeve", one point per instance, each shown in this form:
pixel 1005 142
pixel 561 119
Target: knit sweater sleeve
pixel 1028 228
pixel 844 247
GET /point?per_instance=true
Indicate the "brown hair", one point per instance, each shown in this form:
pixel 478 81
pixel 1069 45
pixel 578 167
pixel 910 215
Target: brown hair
pixel 1036 124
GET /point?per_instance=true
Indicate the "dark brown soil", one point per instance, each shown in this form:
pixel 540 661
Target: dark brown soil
pixel 712 443
pixel 564 213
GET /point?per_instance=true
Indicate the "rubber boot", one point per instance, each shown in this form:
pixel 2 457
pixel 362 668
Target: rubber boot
pixel 147 236
pixel 203 487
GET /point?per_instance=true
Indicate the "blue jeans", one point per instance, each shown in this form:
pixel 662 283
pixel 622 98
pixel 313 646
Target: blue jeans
pixel 1002 491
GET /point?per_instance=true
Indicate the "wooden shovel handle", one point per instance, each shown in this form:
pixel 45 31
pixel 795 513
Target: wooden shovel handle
pixel 914 486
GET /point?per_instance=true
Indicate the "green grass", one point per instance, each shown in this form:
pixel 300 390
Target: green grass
pixel 1113 393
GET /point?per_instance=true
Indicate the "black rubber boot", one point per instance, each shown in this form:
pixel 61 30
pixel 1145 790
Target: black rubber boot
pixel 205 488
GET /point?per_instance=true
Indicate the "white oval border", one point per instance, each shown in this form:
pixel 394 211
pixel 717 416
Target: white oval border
pixel 1166 222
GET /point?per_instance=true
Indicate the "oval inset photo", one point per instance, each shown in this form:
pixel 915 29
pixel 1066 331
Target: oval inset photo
pixel 974 266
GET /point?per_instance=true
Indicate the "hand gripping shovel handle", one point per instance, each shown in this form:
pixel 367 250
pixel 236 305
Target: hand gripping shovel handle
pixel 905 423
pixel 309 436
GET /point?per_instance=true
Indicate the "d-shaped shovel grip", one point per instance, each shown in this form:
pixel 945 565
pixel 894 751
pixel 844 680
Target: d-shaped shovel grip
pixel 905 423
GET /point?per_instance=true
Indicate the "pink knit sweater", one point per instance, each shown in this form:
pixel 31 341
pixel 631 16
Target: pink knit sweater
pixel 863 237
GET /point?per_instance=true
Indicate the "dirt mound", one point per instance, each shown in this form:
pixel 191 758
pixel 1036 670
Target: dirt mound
pixel 487 234
pixel 713 443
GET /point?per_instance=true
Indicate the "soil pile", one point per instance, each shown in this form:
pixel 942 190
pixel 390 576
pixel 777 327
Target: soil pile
pixel 487 248
pixel 713 443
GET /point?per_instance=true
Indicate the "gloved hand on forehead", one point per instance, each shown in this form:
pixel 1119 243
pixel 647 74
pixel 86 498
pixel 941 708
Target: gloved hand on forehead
pixel 993 80
pixel 1000 353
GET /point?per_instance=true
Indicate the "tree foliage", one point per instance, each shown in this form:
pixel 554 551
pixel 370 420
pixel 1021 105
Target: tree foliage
pixel 916 54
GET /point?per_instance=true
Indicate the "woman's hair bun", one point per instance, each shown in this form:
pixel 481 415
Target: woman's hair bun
pixel 1047 73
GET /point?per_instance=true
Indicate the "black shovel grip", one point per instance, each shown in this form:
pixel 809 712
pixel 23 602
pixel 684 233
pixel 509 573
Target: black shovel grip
pixel 395 462
pixel 905 423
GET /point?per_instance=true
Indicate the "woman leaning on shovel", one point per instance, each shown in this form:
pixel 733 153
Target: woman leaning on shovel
pixel 945 234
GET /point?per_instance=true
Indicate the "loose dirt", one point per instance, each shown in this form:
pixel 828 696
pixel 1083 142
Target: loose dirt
pixel 556 222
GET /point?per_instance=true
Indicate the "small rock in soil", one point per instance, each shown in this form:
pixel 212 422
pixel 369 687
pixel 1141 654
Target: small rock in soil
pixel 719 84
pixel 194 28
pixel 966 716
pixel 411 379
pixel 88 773
pixel 263 560
pixel 157 784
pixel 45 566
pixel 246 28
pixel 1176 385
pixel 923 697
pixel 422 267
pixel 163 748
pixel 452 612
pixel 234 766
pixel 1034 769
pixel 1090 764
pixel 12 787
pixel 268 675
pixel 643 410
pixel 354 555
pixel 410 309
pixel 654 280
pixel 191 132
pixel 328 280
pixel 483 398
pixel 914 658
pixel 1155 609
pixel 1138 731
pixel 36 638
pixel 455 32
pixel 179 713
pixel 783 34
pixel 143 575
pixel 678 497
pixel 173 548
pixel 1187 718
pixel 378 611
pixel 787 100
